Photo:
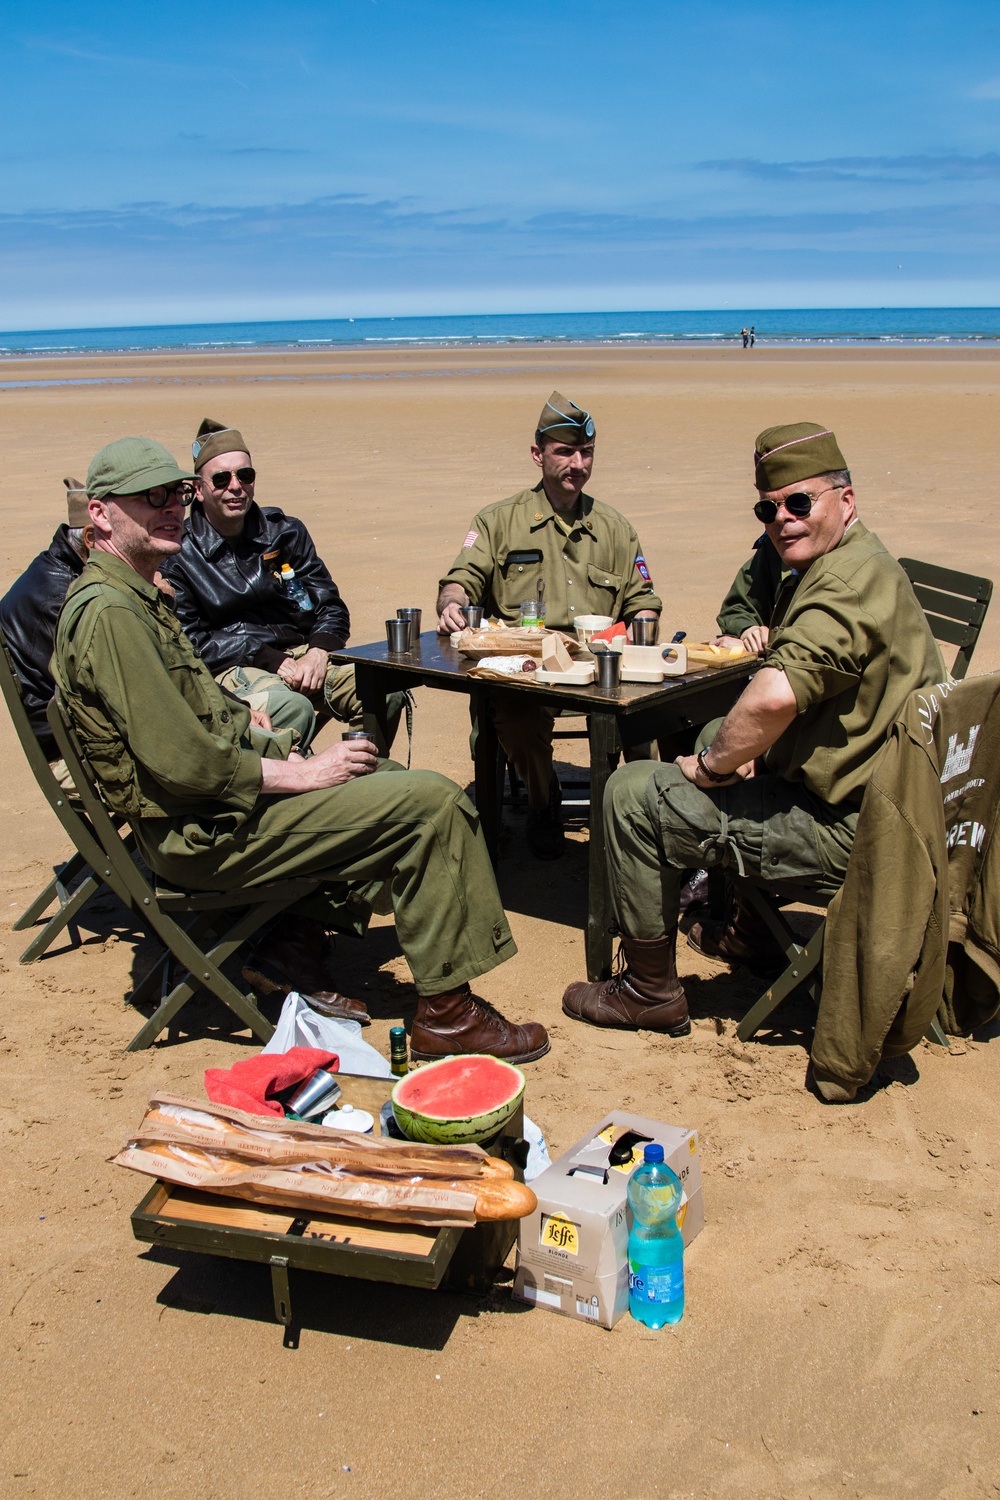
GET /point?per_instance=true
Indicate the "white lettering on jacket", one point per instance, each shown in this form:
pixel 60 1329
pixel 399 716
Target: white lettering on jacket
pixel 959 757
pixel 960 836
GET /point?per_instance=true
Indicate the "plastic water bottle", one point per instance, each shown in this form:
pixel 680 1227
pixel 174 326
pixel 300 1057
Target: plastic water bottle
pixel 295 588
pixel 655 1247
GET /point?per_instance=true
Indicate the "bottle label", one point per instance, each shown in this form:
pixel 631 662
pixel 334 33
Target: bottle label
pixel 657 1283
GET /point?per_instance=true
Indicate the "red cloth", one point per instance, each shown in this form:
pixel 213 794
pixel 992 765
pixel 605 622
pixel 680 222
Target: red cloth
pixel 611 632
pixel 251 1084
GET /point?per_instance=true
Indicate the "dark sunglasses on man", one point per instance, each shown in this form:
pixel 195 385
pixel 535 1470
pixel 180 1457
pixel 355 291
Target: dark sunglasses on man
pixel 798 505
pixel 222 479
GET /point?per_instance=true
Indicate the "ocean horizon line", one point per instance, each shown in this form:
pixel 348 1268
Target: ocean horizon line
pixel 772 326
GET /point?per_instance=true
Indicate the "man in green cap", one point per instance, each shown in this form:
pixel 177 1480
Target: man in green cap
pixel 556 544
pixel 777 791
pixel 214 806
pixel 258 602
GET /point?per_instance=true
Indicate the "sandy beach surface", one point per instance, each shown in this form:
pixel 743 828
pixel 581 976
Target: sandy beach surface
pixel 840 1333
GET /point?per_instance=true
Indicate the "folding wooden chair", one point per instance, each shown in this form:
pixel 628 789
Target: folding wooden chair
pixel 955 605
pixel 88 865
pixel 156 906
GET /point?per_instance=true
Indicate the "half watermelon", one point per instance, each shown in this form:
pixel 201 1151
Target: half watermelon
pixel 457 1100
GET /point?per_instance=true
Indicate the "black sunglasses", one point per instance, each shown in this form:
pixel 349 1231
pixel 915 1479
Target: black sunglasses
pixel 161 495
pixel 798 505
pixel 222 479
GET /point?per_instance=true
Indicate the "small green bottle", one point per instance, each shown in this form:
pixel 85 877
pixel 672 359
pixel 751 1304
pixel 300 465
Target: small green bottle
pixel 398 1064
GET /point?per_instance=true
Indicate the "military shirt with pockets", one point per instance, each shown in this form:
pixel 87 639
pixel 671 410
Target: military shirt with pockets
pixel 591 561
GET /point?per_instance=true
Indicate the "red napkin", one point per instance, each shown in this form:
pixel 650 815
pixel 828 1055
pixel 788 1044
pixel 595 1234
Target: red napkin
pixel 611 632
pixel 252 1084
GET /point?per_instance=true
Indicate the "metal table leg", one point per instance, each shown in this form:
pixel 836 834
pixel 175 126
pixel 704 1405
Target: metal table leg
pixel 372 691
pixel 486 770
pixel 604 751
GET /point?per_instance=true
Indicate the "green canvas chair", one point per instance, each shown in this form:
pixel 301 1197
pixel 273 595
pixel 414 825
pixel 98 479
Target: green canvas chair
pixel 87 869
pixel 158 906
pixel 955 605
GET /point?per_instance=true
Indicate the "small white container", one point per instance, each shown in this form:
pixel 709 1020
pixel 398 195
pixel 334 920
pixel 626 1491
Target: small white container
pixel 349 1118
pixel 587 625
pixel 579 675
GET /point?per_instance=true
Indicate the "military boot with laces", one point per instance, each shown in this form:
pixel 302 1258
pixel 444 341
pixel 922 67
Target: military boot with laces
pixel 645 996
pixel 458 1021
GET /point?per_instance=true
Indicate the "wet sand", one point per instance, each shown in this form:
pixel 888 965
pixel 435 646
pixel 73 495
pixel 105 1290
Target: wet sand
pixel 842 1299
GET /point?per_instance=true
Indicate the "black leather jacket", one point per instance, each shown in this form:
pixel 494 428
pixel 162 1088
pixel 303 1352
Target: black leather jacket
pixel 28 614
pixel 229 603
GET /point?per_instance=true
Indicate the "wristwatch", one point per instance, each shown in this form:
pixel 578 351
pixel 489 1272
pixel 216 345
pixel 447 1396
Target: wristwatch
pixel 712 775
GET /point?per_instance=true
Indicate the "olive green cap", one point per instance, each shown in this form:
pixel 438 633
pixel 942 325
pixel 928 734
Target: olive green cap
pixel 214 438
pixel 564 422
pixel 799 450
pixel 131 465
pixel 77 513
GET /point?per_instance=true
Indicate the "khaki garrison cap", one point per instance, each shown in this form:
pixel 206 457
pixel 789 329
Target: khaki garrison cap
pixel 799 450
pixel 77 513
pixel 564 422
pixel 214 438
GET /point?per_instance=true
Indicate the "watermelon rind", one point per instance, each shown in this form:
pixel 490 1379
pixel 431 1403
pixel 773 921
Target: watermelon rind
pixel 438 1130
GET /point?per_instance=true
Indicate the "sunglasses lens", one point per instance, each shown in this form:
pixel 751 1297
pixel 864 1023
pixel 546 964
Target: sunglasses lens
pixel 765 510
pixel 798 505
pixel 222 480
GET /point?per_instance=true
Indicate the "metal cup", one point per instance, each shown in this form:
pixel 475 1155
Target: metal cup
pixel 609 670
pixel 472 614
pixel 412 618
pixel 355 734
pixel 397 633
pixel 314 1097
pixel 644 632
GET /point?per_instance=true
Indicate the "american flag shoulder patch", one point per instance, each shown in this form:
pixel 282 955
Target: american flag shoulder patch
pixel 470 540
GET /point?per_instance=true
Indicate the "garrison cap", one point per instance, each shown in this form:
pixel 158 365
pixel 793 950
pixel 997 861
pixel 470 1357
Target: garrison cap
pixel 131 465
pixel 564 422
pixel 799 450
pixel 77 513
pixel 214 438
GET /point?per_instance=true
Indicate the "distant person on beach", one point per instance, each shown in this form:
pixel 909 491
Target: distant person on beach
pixel 745 335
pixel 264 634
pixel 215 805
pixel 775 791
pixel 753 336
pixel 590 562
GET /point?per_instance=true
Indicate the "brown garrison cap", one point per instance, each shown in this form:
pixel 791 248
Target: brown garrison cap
pixel 76 503
pixel 799 450
pixel 564 422
pixel 215 438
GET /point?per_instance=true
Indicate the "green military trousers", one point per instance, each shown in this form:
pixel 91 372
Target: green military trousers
pixel 414 830
pixel 288 709
pixel 770 830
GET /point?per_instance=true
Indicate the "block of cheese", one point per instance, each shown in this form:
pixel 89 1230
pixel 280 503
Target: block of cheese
pixel 555 657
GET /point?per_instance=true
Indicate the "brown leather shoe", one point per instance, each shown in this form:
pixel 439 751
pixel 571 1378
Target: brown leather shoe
pixel 646 996
pixel 458 1021
pixel 743 939
pixel 298 956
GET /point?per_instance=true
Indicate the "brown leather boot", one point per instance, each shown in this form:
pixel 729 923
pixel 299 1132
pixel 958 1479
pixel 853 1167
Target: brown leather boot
pixel 458 1021
pixel 645 996
pixel 743 939
pixel 298 955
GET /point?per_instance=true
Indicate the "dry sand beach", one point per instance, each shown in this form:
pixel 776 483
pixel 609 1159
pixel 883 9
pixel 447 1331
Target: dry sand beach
pixel 843 1299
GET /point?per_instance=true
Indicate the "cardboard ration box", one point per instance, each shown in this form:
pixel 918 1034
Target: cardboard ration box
pixel 572 1251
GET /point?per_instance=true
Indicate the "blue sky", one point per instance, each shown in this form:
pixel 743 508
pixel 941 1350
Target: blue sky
pixel 213 161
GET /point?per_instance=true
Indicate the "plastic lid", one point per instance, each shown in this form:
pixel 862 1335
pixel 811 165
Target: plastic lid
pixel 653 1152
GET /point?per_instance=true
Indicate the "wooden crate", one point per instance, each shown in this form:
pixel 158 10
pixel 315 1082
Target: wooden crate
pixel 466 1259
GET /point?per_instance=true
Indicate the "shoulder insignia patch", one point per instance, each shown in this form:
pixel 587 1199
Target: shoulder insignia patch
pixel 470 540
pixel 642 570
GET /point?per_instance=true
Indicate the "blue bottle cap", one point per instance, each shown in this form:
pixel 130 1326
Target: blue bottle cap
pixel 653 1153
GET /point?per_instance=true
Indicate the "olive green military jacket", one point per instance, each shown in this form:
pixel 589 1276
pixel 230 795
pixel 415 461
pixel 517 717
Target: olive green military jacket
pixel 754 591
pixel 174 755
pixel 592 562
pixel 854 643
